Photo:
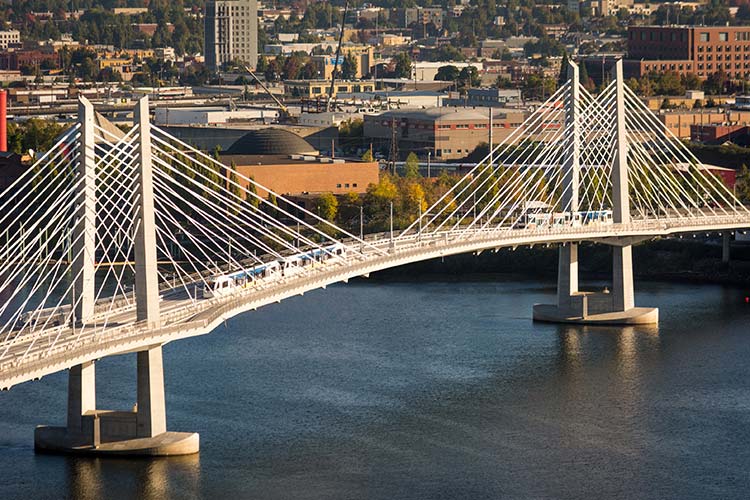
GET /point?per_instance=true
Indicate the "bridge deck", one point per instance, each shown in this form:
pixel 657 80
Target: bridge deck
pixel 30 355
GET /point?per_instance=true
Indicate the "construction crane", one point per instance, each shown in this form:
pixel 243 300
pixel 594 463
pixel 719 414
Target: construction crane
pixel 336 60
pixel 283 109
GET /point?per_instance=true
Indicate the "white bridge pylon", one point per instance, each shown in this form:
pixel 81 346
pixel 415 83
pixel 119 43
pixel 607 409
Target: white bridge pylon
pixel 117 242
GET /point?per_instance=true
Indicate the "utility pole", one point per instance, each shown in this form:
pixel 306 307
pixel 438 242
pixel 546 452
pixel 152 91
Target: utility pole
pixel 491 148
pixel 394 146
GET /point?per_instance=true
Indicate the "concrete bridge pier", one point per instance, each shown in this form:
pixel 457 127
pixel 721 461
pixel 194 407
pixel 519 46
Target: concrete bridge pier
pixel 615 306
pixel 141 431
pixel 567 275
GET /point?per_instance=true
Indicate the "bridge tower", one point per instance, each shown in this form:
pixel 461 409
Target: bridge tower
pixel 81 378
pixel 618 305
pixel 143 430
pixel 567 270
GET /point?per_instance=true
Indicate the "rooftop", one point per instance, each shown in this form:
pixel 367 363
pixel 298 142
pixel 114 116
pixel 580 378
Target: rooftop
pixel 271 142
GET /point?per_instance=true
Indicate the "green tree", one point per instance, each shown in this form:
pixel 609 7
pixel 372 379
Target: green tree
pixel 326 206
pixel 235 188
pixel 411 166
pixel 251 194
pixel 402 66
pixel 367 156
pixel 349 67
pixel 447 73
pixel 742 185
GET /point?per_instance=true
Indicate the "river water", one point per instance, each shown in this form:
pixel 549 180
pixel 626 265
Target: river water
pixel 426 390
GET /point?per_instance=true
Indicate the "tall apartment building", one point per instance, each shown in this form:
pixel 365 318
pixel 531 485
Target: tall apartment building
pixel 702 50
pixel 231 32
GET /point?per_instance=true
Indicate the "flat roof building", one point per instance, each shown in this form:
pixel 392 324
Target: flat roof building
pixel 319 88
pixel 701 50
pixel 446 133
pixel 285 163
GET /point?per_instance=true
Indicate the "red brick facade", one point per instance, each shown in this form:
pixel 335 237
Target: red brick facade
pixel 702 50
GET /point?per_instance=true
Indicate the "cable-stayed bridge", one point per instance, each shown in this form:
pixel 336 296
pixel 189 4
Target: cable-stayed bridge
pixel 120 242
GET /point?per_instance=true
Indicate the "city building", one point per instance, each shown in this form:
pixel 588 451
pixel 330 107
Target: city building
pixel 680 122
pixel 701 50
pixel 420 15
pixel 285 163
pixel 211 115
pixel 487 96
pixel 446 133
pixel 9 37
pixel 363 55
pixel 231 32
pixel 312 89
pixel 721 133
pixel 16 59
pixel 609 7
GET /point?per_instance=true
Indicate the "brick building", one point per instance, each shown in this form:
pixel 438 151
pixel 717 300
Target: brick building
pixel 702 50
pixel 448 133
pixel 680 122
pixel 287 164
pixel 16 59
pixel 721 133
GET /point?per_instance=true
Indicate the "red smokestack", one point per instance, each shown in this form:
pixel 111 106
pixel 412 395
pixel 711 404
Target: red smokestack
pixel 3 120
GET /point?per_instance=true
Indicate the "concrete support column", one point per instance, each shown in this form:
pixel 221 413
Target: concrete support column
pixel 567 270
pixel 151 418
pixel 81 394
pixel 567 274
pixel 725 254
pixel 623 296
pixel 83 234
pixel 146 277
pixel 620 194
pixel 571 166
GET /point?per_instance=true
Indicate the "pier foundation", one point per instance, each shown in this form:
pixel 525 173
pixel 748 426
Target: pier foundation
pixel 138 432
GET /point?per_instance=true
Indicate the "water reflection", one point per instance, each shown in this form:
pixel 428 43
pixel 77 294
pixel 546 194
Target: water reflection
pixel 96 478
pixel 623 345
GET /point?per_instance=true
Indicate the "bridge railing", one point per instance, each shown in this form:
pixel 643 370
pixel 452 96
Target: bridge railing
pixel 59 342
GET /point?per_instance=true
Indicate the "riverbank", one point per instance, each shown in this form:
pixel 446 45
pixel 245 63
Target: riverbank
pixel 686 260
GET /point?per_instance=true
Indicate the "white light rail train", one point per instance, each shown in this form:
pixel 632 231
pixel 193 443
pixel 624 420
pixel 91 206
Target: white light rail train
pixel 227 284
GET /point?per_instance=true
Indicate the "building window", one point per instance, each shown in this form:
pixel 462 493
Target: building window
pixel 704 37
pixel 338 185
pixel 723 36
pixel 346 185
pixel 354 185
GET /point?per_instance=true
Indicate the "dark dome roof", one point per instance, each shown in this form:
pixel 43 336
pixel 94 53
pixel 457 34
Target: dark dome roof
pixel 271 141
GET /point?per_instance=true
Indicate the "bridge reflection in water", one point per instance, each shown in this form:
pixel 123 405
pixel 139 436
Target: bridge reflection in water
pixel 158 479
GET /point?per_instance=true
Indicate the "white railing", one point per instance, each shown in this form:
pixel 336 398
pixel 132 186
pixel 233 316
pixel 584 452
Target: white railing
pixel 53 347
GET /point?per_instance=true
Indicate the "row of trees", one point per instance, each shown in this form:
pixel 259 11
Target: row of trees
pixel 465 77
pixel 299 66
pixel 175 26
pixel 672 83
